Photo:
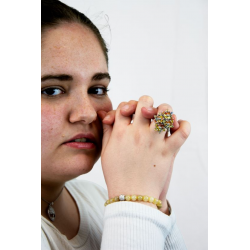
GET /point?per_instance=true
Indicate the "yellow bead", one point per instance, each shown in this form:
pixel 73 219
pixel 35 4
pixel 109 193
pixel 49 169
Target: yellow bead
pixel 145 198
pixel 155 201
pixel 139 197
pixel 107 202
pixel 116 198
pixel 151 199
pixel 159 204
pixel 111 200
pixel 133 197
pixel 127 197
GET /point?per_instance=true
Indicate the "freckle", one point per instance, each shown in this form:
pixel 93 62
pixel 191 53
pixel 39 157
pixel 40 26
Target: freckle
pixel 63 135
pixel 51 129
pixel 154 165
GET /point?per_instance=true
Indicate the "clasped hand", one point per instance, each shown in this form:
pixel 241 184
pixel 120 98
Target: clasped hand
pixel 135 158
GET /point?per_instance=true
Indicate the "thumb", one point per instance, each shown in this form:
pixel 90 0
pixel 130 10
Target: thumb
pixel 177 139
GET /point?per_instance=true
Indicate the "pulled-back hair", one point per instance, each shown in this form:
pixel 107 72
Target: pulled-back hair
pixel 55 13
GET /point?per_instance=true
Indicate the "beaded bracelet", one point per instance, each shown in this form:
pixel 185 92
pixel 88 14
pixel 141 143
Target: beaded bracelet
pixel 145 198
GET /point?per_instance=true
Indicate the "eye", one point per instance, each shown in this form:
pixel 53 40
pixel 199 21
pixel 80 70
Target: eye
pixel 98 91
pixel 52 91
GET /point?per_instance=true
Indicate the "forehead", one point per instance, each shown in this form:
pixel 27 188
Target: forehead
pixel 71 47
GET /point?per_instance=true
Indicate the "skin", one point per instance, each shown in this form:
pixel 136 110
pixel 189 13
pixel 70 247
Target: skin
pixel 72 109
pixel 128 109
pixel 78 104
pixel 149 166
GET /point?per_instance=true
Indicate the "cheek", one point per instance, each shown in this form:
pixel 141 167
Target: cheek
pixel 51 120
pixel 106 105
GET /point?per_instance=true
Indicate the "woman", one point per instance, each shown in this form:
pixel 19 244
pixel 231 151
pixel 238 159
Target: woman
pixel 78 125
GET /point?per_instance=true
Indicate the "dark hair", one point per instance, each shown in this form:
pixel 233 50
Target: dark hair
pixel 55 13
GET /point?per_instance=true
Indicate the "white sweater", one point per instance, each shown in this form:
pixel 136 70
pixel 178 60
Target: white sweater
pixel 118 226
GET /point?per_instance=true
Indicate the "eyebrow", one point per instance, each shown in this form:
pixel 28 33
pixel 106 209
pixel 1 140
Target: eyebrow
pixel 100 76
pixel 63 77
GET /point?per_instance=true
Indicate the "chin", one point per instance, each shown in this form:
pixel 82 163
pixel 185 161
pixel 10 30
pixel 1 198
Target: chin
pixel 81 166
pixel 67 169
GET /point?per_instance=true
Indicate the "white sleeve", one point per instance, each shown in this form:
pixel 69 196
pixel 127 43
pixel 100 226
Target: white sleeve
pixel 129 225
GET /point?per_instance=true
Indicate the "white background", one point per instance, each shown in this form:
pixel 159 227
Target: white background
pixel 159 48
pixel 228 112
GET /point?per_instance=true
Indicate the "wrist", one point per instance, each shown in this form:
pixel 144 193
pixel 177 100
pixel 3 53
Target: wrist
pixel 146 200
pixel 166 209
pixel 147 204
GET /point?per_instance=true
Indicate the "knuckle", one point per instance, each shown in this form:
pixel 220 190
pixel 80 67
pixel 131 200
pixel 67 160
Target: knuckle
pixel 119 134
pixel 137 139
pixel 185 131
pixel 121 105
pixel 132 102
pixel 112 112
pixel 147 99
pixel 164 152
pixel 165 106
pixel 175 145
pixel 184 134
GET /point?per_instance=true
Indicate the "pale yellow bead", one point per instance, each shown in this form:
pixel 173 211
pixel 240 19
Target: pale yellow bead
pixel 111 200
pixel 116 198
pixel 127 197
pixel 139 197
pixel 151 199
pixel 155 201
pixel 133 197
pixel 159 204
pixel 145 198
pixel 107 202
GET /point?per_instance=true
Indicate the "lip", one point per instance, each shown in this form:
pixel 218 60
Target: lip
pixel 82 145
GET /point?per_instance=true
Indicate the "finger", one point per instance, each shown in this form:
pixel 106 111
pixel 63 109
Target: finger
pixel 176 124
pixel 129 108
pixel 139 119
pixel 121 120
pixel 101 114
pixel 177 139
pixel 162 108
pixel 149 112
pixel 110 117
pixel 107 128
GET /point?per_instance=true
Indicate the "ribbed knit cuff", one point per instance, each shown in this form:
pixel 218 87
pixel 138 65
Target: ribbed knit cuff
pixel 174 240
pixel 129 225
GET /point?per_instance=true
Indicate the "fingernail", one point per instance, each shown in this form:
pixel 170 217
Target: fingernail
pixel 106 117
pixel 126 107
pixel 149 108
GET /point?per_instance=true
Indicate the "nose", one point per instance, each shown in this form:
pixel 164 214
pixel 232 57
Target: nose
pixel 82 110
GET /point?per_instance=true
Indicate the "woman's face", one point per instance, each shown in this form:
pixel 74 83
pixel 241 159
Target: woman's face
pixel 74 82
